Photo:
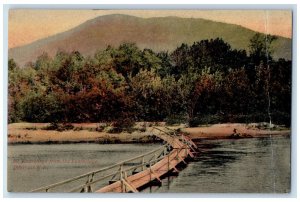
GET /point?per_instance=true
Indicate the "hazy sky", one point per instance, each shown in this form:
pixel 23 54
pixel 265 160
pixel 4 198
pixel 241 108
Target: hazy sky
pixel 26 26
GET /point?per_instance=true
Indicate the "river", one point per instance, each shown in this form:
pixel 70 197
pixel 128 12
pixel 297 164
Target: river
pixel 255 165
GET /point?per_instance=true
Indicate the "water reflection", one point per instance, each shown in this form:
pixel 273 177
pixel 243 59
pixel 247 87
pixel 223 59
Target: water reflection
pixel 264 142
pixel 255 165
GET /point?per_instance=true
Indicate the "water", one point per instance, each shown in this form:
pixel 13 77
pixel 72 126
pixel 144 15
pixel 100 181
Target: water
pixel 34 166
pixel 256 165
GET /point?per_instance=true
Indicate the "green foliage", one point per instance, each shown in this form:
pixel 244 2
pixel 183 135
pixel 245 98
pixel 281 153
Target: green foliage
pixel 39 108
pixel 128 59
pixel 260 48
pixel 12 65
pixel 207 82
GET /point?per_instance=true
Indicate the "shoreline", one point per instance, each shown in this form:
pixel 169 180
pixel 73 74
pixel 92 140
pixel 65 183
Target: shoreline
pixel 234 131
pixel 32 133
pixel 84 142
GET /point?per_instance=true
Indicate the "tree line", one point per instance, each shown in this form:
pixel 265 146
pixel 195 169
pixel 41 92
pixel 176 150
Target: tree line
pixel 206 82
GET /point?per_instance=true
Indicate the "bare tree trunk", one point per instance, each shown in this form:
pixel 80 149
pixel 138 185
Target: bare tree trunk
pixel 268 95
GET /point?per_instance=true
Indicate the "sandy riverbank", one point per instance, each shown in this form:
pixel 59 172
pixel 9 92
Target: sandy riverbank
pixel 219 131
pixel 32 133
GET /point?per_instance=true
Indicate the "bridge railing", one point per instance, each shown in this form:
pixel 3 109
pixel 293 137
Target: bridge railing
pixel 173 135
pixel 91 180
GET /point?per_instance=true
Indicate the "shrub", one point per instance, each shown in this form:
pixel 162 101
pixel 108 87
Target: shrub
pixel 52 126
pixel 100 128
pixel 175 119
pixel 59 127
pixel 120 125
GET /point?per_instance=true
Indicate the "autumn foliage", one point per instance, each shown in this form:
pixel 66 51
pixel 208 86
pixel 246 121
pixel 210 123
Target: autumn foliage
pixel 206 82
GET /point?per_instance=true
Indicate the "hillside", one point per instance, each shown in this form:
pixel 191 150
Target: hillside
pixel 162 33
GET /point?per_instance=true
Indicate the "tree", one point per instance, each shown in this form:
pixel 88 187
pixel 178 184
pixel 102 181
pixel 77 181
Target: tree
pixel 280 91
pixel 12 65
pixel 104 59
pixel 261 54
pixel 128 59
pixel 126 84
pixel 13 91
pixel 147 88
pixel 181 60
pixel 42 63
pixel 261 48
pixel 192 85
pixel 38 107
pixel 236 92
pixel 18 86
pixel 166 67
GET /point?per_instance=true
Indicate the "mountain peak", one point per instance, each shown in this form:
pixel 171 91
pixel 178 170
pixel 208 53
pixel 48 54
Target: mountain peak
pixel 158 34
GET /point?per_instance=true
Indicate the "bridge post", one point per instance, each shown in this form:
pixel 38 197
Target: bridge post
pixel 143 163
pixel 122 186
pixel 150 172
pixel 124 174
pixel 121 171
pixel 168 162
pixel 121 179
pixel 89 187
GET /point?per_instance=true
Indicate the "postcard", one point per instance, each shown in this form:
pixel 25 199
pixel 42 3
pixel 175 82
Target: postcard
pixel 151 101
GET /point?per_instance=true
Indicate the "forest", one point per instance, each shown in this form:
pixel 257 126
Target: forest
pixel 203 83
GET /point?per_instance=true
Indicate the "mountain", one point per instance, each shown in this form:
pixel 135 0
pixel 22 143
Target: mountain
pixel 159 33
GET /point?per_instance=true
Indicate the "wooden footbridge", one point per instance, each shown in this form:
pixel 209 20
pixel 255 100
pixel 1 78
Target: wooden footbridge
pixel 133 174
